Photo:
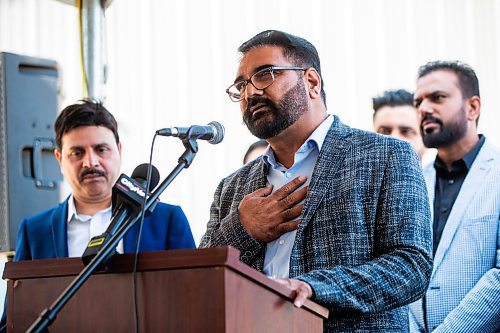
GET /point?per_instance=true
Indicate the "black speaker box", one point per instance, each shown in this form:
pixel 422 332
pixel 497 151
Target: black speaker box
pixel 30 178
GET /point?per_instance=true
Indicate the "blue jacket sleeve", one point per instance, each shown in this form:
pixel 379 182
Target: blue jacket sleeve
pixel 179 231
pixel 22 248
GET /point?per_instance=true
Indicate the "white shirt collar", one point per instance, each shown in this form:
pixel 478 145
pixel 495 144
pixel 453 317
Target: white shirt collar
pixel 318 136
pixel 72 213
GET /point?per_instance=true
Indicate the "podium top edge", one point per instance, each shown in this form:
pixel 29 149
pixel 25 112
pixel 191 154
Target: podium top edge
pixel 122 263
pixel 224 256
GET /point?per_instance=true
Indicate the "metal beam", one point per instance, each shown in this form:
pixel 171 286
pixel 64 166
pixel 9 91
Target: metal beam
pixel 93 47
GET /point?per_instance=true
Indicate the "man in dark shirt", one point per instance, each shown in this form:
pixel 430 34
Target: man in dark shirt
pixel 448 184
pixel 463 184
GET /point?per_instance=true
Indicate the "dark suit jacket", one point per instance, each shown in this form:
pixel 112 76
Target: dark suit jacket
pixel 364 239
pixel 44 235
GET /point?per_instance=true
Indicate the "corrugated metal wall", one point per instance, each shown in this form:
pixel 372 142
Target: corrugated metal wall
pixel 170 61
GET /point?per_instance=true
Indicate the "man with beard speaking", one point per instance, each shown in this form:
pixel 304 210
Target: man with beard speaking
pixel 464 188
pixel 339 215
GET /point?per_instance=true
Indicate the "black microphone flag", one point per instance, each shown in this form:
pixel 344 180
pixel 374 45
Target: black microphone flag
pixel 128 195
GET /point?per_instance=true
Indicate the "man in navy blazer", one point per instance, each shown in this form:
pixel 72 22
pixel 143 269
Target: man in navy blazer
pixel 89 154
pixel 45 235
pixel 339 215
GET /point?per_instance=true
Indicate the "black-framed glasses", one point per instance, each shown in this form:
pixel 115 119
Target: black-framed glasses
pixel 260 80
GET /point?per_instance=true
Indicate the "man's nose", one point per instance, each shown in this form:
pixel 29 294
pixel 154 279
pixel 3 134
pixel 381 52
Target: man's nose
pixel 91 159
pixel 250 91
pixel 398 135
pixel 424 108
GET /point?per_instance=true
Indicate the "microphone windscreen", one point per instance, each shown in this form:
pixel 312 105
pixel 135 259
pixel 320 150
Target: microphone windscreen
pixel 141 174
pixel 219 132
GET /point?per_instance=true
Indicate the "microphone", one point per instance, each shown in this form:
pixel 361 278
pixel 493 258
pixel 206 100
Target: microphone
pixel 131 190
pixel 127 197
pixel 140 174
pixel 213 132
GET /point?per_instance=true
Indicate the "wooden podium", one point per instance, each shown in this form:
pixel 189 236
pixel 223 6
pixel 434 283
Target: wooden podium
pixel 205 290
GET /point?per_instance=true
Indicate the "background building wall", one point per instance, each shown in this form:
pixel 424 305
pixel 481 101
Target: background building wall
pixel 169 63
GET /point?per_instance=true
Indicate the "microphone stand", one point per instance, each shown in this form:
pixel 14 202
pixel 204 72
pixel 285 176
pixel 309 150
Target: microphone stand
pixel 48 315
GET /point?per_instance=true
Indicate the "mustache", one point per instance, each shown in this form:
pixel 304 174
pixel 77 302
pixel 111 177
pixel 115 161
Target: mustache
pixel 429 117
pixel 91 171
pixel 256 100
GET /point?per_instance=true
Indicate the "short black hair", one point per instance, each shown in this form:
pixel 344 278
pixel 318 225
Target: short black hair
pixel 398 97
pixel 86 112
pixel 300 51
pixel 467 79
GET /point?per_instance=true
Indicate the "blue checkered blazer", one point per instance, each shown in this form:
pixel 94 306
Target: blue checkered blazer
pixel 364 240
pixel 464 291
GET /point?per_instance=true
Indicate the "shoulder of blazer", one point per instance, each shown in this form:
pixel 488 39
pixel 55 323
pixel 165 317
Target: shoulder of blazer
pixel 341 135
pixel 165 211
pixel 252 174
pixel 489 152
pixel 47 216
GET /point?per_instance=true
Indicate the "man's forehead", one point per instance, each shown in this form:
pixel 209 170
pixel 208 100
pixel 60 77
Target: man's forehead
pixel 259 56
pixel 82 135
pixel 400 114
pixel 436 80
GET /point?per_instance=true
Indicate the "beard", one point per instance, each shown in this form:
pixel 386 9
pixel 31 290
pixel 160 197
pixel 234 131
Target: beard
pixel 277 117
pixel 448 133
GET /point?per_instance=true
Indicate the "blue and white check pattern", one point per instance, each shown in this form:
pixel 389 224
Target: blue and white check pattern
pixel 464 291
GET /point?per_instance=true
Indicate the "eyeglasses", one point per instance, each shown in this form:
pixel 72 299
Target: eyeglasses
pixel 260 80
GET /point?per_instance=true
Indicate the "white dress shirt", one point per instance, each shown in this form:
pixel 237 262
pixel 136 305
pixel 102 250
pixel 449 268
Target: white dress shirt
pixel 81 228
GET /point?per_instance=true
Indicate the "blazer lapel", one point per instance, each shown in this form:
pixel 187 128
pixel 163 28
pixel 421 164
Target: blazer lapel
pixel 59 230
pixel 430 181
pixel 332 154
pixel 472 183
pixel 257 177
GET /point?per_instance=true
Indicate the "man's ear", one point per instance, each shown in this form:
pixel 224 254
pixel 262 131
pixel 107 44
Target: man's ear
pixel 313 83
pixel 474 109
pixel 57 154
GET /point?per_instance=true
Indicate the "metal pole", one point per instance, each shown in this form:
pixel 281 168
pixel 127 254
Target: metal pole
pixel 93 47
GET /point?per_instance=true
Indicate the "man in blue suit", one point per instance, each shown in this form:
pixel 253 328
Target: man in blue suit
pixel 89 154
pixel 337 214
pixel 464 188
